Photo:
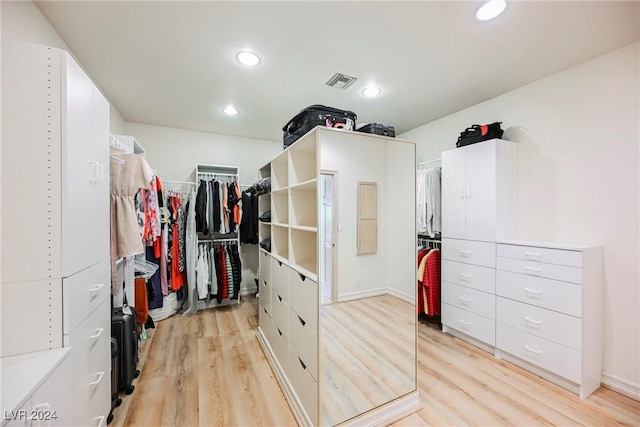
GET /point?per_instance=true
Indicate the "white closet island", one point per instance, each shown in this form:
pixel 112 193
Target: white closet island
pixel 323 357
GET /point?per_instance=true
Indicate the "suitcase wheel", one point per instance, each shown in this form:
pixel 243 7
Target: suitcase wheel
pixel 118 402
pixel 109 418
pixel 137 373
pixel 129 389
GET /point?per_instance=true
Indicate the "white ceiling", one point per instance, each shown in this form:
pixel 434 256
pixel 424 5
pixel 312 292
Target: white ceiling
pixel 173 63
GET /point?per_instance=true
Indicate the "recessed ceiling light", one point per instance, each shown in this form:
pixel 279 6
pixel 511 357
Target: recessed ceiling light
pixel 371 91
pixel 490 10
pixel 248 58
pixel 229 110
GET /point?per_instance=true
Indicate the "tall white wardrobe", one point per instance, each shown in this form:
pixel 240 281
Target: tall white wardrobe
pixel 55 241
pixel 535 304
pixel 322 360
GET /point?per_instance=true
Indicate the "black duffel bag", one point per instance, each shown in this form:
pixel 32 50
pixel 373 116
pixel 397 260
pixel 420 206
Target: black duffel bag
pixel 317 115
pixel 477 133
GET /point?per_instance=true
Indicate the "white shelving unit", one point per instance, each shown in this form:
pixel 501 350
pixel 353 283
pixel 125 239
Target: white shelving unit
pixel 224 174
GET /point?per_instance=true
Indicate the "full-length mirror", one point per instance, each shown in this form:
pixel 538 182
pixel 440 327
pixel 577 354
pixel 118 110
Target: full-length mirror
pixel 367 343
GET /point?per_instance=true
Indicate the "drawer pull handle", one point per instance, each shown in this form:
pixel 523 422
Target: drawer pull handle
pixel 99 332
pixel 100 375
pixel 301 321
pixel 302 277
pixel 468 192
pixel 465 254
pixel 265 310
pixel 279 298
pixel 100 421
pixel 95 289
pixel 465 300
pixel 532 350
pixel 302 363
pixel 279 331
pixel 465 323
pixel 532 271
pixel 533 256
pixel 465 277
pixel 535 322
pixel 532 292
pixel 462 192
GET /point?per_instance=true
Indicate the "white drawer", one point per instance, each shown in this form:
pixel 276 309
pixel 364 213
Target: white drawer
pixel 100 403
pixel 538 269
pixel 303 298
pixel 280 314
pixel 304 341
pixel 55 394
pixel 471 276
pixel 471 324
pixel 471 300
pixel 89 340
pixel 469 252
pixel 551 325
pixel 264 266
pixel 538 254
pixel 266 324
pixel 83 292
pixel 279 345
pixel 552 294
pixel 280 278
pixel 553 357
pixel 265 295
pixel 305 386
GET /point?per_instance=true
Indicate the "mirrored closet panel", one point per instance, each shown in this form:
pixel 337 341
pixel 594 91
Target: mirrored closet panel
pixel 337 287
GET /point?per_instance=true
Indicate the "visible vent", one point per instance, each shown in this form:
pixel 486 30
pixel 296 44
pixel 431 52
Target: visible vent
pixel 341 81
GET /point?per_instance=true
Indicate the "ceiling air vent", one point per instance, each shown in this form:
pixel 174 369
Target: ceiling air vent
pixel 341 81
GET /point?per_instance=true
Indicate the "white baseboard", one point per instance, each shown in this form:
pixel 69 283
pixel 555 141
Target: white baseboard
pixel 362 294
pixel 388 413
pixel 621 385
pixel 411 299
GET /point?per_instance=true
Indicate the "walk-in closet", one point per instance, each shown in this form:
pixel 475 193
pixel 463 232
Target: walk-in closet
pixel 325 214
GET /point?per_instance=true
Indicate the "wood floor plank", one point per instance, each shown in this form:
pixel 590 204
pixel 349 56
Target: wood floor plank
pixel 209 370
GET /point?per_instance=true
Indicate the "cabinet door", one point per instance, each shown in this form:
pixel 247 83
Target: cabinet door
pixel 453 194
pixel 85 189
pixel 480 191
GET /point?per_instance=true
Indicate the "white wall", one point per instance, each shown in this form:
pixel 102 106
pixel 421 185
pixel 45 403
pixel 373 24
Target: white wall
pixel 173 154
pixel 358 275
pixel 579 136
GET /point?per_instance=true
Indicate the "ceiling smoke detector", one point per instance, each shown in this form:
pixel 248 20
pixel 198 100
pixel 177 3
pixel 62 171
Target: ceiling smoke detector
pixel 341 81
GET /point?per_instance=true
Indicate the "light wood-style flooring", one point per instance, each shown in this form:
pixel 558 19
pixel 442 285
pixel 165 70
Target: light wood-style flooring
pixel 209 370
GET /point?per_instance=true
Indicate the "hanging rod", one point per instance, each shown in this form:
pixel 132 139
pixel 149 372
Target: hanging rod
pixel 217 174
pixel 429 163
pixel 179 182
pixel 217 240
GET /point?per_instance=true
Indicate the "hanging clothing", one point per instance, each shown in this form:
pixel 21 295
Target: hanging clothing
pixel 191 242
pixel 201 207
pixel 216 207
pixel 428 201
pixel 429 282
pixel 202 273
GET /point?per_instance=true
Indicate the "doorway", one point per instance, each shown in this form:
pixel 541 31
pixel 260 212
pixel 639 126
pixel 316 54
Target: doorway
pixel 328 237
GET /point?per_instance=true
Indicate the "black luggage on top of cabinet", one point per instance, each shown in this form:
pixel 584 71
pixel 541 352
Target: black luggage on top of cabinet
pixel 124 330
pixel 317 115
pixel 377 129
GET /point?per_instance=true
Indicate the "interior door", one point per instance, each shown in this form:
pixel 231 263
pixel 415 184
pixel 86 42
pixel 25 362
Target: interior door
pixel 453 193
pixel 480 191
pixel 326 268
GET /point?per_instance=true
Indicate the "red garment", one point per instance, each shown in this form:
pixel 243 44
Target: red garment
pixel 177 278
pixel 142 303
pixel 431 282
pixel 420 305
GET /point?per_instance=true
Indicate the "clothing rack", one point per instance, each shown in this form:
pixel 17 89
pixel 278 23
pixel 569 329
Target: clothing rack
pixel 218 240
pixel 429 164
pixel 179 182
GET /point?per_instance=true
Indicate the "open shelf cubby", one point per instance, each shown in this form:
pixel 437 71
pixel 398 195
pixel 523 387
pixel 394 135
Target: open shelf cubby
pixel 303 205
pixel 280 207
pixel 280 242
pixel 303 160
pixel 303 252
pixel 280 172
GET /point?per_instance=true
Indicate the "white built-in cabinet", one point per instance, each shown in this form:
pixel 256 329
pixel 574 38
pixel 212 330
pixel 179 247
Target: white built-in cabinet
pixel 535 304
pixel 55 225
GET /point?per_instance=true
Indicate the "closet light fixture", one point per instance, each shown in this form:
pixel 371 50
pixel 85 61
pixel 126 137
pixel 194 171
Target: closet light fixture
pixel 248 58
pixel 230 110
pixel 490 10
pixel 371 91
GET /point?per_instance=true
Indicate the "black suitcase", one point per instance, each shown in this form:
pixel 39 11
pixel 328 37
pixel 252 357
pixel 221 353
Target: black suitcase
pixel 317 115
pixel 124 330
pixel 479 133
pixel 377 129
pixel 115 400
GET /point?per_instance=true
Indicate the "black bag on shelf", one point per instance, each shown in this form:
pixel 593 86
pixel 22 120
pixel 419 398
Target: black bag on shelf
pixel 377 129
pixel 266 244
pixel 317 115
pixel 478 133
pixel 266 216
